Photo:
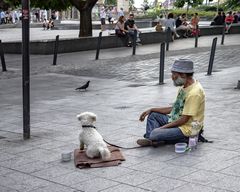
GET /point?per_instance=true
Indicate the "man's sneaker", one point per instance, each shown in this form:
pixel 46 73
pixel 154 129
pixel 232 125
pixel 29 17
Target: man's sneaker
pixel 144 142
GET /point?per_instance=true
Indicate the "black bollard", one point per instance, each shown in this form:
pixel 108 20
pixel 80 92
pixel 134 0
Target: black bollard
pixel 213 49
pixel 98 45
pixel 196 37
pixel 134 42
pixel 2 57
pixel 168 34
pixel 55 51
pixel 238 85
pixel 161 68
pixel 223 33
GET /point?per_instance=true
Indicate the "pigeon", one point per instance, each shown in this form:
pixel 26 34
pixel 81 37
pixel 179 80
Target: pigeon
pixel 85 86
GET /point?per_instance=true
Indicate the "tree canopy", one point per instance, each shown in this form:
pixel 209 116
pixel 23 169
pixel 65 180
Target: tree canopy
pixel 193 3
pixel 232 4
pixel 46 4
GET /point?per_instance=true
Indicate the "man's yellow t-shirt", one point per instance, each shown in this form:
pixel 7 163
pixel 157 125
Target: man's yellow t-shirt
pixel 190 101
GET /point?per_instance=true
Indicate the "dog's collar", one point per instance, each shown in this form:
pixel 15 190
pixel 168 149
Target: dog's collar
pixel 89 126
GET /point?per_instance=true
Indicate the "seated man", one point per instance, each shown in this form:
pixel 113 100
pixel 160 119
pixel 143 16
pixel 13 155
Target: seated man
pixel 173 124
pixel 130 26
pixel 182 25
pixel 218 19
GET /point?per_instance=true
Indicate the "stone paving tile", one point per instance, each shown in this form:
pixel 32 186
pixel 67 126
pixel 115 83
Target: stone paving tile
pixel 94 185
pixel 161 184
pixel 202 177
pixel 41 155
pixel 10 128
pixel 220 154
pixel 6 156
pixel 14 148
pixel 112 172
pixel 125 188
pixel 51 172
pixel 72 178
pixel 54 188
pixel 131 160
pixel 233 170
pixel 175 172
pixel 4 171
pixel 52 145
pixel 185 160
pixel 150 166
pixel 32 167
pixel 22 182
pixel 228 183
pixel 217 164
pixel 198 188
pixel 135 178
pixel 16 162
pixel 6 189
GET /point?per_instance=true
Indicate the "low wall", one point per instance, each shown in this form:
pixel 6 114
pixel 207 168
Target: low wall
pixel 90 43
pixel 80 44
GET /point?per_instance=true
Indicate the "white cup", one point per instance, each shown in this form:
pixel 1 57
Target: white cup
pixel 180 147
pixel 66 156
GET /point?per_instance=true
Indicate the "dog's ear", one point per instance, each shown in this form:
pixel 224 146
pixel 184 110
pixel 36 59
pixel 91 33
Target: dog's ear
pixel 94 117
pixel 79 116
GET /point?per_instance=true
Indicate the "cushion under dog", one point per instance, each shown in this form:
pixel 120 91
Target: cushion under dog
pixel 82 161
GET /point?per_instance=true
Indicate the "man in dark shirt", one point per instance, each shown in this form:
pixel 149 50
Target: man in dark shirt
pixel 130 26
pixel 178 22
pixel 218 20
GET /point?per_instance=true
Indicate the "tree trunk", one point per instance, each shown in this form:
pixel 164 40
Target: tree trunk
pixel 85 8
pixel 85 23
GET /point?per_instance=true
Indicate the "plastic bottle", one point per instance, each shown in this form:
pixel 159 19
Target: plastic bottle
pixel 192 143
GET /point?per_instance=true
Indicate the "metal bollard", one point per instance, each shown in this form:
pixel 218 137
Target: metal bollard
pixel 168 38
pixel 2 57
pixel 223 33
pixel 98 45
pixel 213 49
pixel 134 42
pixel 238 85
pixel 196 37
pixel 161 68
pixel 55 51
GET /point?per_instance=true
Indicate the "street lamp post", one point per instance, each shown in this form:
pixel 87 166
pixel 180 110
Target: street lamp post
pixel 25 69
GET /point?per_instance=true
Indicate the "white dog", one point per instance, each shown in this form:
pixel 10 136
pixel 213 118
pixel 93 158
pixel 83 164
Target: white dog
pixel 90 137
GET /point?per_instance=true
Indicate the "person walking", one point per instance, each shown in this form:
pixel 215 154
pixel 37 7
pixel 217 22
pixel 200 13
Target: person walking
pixel 103 18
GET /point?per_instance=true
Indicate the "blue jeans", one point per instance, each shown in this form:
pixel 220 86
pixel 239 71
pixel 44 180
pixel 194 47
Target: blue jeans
pixel 153 132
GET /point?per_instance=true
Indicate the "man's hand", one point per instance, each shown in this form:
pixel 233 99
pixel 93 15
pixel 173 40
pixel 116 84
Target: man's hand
pixel 144 114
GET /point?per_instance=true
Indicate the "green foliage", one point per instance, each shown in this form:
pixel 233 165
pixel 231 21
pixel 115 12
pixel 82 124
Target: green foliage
pixel 232 4
pixel 154 13
pixel 209 8
pixel 206 14
pixel 193 3
pixel 110 2
pixel 179 3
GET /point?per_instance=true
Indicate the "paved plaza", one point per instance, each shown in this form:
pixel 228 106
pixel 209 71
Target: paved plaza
pixel 122 86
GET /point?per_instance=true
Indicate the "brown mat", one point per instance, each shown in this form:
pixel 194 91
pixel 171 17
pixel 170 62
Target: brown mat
pixel 82 161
